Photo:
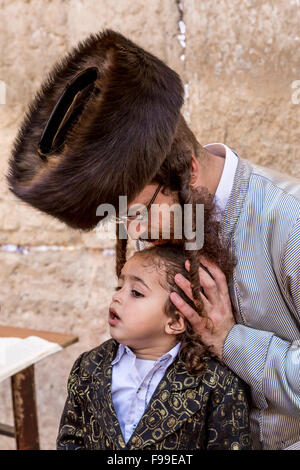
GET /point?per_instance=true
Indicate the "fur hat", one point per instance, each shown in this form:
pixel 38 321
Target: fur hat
pixel 100 126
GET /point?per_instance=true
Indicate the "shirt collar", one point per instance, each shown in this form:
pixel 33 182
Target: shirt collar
pixel 122 349
pixel 226 182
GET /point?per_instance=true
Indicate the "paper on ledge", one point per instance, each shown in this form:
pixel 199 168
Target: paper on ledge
pixel 18 353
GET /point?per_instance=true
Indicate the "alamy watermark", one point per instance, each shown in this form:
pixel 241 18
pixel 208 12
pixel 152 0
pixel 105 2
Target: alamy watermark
pixel 166 221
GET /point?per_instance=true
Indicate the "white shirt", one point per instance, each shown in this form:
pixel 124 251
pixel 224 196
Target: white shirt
pixel 226 182
pixel 133 383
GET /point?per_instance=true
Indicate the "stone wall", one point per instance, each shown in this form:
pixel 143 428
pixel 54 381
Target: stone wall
pixel 239 63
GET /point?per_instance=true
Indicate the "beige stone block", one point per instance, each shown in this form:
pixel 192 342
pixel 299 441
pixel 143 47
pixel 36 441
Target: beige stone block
pixel 47 30
pixel 63 291
pixel 241 61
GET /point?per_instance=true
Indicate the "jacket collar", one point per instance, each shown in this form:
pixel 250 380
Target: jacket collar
pixel 122 349
pixel 176 380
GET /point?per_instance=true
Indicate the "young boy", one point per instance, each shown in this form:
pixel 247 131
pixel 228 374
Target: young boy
pixel 153 385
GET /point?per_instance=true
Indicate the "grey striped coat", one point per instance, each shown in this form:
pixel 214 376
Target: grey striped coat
pixel 262 222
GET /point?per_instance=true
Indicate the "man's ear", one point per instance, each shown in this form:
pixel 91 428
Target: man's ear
pixel 175 327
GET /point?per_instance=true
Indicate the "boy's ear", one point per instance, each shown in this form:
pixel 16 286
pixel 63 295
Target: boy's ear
pixel 175 327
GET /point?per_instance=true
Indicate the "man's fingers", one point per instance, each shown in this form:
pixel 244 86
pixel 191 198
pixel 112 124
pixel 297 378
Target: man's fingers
pixel 190 314
pixel 217 273
pixel 209 285
pixel 219 278
pixel 184 284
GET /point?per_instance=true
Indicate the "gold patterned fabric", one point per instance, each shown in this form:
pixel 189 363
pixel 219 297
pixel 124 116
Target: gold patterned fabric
pixel 184 412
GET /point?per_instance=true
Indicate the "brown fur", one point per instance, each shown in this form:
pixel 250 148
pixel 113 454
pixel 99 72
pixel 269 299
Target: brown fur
pixel 117 145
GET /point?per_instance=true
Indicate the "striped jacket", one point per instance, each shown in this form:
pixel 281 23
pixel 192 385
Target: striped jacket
pixel 262 222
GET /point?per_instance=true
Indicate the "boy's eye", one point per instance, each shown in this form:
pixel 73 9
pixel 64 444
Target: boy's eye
pixel 135 293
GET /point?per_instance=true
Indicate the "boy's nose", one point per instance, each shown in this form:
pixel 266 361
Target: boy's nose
pixel 117 296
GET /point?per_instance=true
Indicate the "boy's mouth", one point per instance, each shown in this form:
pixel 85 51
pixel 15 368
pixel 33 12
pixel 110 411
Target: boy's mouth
pixel 113 317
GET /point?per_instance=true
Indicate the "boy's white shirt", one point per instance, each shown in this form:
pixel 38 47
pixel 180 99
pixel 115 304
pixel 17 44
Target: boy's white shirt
pixel 131 378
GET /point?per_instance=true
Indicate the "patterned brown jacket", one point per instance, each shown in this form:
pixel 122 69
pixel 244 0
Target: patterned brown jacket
pixel 184 412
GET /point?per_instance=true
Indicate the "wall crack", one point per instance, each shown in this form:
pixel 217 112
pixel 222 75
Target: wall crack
pixel 182 40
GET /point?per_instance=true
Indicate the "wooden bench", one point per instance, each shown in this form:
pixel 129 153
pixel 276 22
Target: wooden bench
pixel 25 429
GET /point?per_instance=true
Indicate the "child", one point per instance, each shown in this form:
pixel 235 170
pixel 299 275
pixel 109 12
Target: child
pixel 153 385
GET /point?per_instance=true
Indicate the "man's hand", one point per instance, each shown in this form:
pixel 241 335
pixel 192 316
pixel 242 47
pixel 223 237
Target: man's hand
pixel 216 304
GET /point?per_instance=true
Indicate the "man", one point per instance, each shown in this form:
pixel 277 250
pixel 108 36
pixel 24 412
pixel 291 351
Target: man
pixel 261 216
pixel 107 123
